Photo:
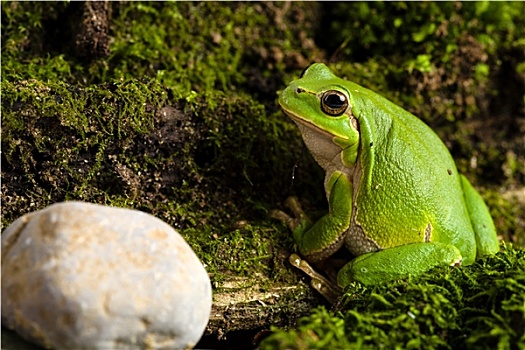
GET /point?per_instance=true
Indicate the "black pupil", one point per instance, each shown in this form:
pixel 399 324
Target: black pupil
pixel 335 101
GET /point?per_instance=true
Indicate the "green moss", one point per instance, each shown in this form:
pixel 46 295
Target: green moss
pixel 133 144
pixel 187 46
pixel 479 306
pixel 253 253
pixel 181 55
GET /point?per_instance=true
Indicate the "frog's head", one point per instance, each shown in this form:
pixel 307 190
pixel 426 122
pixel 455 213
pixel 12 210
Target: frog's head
pixel 319 104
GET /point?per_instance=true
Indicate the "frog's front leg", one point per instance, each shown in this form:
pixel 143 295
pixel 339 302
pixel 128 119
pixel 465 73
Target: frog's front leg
pixel 320 240
pixel 398 262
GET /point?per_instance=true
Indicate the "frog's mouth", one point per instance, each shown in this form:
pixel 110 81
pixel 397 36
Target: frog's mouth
pixel 320 131
pixel 305 123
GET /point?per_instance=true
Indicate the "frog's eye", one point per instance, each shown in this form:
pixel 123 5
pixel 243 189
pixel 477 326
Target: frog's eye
pixel 334 103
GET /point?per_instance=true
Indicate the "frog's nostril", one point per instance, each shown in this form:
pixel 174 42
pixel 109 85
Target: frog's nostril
pixel 298 90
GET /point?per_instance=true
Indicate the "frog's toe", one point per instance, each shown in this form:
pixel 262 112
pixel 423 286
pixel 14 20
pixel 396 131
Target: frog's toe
pixel 284 218
pixel 295 206
pixel 329 290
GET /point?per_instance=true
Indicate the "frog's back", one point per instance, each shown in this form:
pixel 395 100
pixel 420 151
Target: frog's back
pixel 409 190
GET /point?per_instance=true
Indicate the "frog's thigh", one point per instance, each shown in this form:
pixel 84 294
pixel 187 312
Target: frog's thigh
pixel 398 262
pixel 485 232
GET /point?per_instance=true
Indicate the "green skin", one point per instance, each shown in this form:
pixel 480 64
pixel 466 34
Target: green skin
pixel 396 200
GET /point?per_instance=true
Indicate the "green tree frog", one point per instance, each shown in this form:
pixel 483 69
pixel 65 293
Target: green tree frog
pixel 396 200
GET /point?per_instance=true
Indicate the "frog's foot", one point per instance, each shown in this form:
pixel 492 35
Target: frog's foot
pixel 325 287
pixel 293 204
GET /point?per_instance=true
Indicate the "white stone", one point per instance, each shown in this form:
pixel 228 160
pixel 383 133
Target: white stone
pixel 84 276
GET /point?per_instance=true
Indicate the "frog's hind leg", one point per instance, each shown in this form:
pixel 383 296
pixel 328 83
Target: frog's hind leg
pixel 398 262
pixel 484 229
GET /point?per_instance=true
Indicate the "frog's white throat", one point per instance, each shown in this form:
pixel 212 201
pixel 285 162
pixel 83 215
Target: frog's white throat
pixel 325 152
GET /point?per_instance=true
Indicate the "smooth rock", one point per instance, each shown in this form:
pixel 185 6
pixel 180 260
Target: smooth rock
pixel 85 276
